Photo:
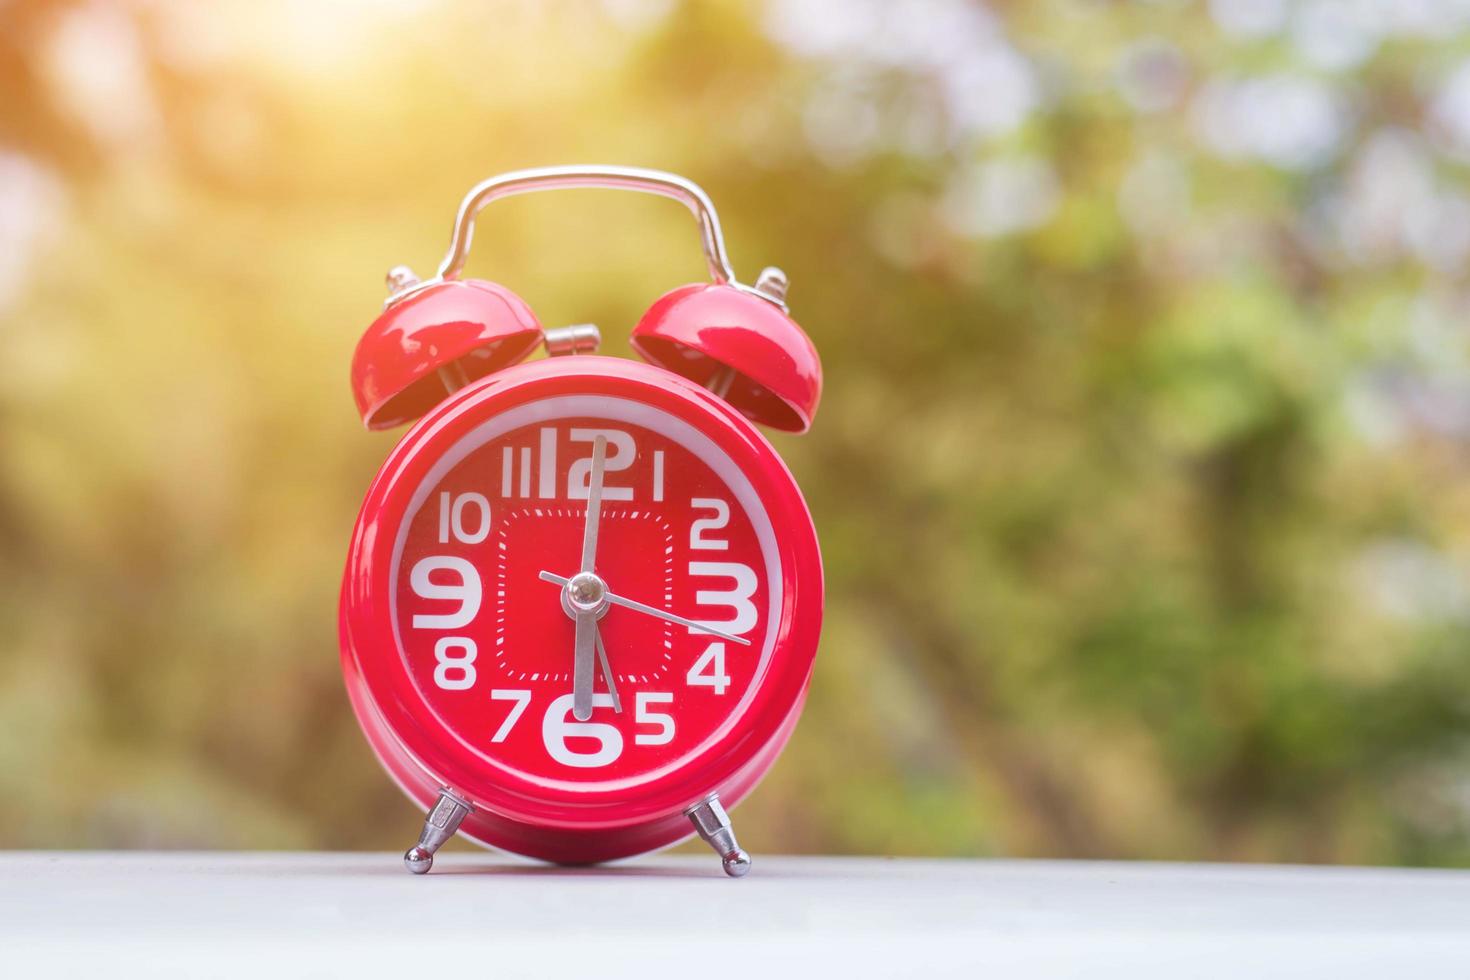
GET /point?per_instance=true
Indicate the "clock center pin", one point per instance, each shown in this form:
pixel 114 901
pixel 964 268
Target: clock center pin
pixel 584 593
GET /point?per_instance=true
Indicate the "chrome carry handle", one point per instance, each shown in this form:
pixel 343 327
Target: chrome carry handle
pixel 770 285
pixel 638 179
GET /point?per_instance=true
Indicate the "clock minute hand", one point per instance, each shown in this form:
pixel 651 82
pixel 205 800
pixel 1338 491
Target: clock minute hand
pixel 585 648
pixel 594 504
pixel 618 600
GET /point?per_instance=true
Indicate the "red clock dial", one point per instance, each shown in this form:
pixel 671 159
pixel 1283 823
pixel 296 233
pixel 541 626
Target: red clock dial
pixel 489 643
pixel 461 656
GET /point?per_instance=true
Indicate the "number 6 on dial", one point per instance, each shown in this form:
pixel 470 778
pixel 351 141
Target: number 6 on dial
pixel 556 729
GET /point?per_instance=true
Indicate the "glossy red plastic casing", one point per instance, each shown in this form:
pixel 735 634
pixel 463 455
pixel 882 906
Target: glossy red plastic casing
pixel 474 326
pixel 696 329
pixel 557 824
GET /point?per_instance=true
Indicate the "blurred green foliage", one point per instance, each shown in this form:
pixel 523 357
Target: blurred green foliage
pixel 1140 472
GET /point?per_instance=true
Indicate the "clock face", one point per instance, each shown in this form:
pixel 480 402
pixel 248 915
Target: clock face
pixel 488 642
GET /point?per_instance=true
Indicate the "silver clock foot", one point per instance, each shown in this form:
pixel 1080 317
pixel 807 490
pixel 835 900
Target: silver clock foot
pixel 441 823
pixel 713 825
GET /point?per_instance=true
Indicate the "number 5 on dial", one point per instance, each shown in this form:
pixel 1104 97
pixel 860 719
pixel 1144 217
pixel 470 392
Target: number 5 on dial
pixel 643 716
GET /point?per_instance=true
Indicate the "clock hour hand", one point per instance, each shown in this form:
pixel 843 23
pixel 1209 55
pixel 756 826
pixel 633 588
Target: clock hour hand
pixel 586 640
pixel 583 652
pixel 618 600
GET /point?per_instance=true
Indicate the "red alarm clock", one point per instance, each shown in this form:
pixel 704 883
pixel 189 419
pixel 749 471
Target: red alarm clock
pixel 583 596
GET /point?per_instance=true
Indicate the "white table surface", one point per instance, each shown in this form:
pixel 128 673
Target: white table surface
pixel 279 915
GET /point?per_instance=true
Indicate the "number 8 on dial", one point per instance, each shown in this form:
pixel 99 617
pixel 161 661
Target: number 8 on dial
pixel 583 597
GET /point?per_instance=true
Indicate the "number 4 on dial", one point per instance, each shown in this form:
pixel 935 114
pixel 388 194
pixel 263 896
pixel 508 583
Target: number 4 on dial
pixel 713 661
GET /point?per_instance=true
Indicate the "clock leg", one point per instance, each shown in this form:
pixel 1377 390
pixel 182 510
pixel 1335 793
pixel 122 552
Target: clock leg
pixel 713 825
pixel 441 823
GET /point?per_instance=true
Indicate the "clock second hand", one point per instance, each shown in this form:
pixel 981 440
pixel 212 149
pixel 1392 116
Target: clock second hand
pixel 618 600
pixel 612 687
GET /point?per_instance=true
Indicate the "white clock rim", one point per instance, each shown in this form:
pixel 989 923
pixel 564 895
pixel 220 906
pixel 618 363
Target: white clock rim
pixel 655 419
